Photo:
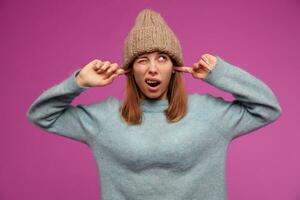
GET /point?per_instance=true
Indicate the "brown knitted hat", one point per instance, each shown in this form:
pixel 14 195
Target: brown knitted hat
pixel 151 33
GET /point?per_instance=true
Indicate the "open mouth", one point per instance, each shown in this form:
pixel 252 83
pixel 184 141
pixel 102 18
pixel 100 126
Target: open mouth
pixel 152 83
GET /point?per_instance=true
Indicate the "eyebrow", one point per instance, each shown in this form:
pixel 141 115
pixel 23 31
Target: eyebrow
pixel 144 56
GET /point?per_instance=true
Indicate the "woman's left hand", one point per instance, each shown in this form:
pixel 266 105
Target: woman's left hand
pixel 201 68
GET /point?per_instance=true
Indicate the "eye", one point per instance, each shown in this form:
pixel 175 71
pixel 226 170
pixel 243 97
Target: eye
pixel 164 58
pixel 141 60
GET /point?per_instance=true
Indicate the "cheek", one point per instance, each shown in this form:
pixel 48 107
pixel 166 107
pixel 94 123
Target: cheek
pixel 138 76
pixel 167 74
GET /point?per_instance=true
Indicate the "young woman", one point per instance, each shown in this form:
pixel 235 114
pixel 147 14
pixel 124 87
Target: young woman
pixel 158 142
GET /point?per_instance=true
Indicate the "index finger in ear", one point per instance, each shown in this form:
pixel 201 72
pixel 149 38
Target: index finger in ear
pixel 121 71
pixel 127 71
pixel 183 69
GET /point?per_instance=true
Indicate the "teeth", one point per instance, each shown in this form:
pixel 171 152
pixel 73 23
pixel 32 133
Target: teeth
pixel 149 81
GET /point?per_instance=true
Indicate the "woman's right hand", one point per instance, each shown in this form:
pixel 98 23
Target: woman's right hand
pixel 98 73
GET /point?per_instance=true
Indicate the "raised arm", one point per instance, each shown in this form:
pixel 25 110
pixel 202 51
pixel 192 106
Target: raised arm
pixel 53 112
pixel 254 106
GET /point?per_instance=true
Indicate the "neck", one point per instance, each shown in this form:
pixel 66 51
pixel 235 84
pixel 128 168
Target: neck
pixel 154 105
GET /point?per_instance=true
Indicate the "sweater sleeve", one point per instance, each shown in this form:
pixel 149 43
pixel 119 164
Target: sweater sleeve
pixel 254 106
pixel 53 112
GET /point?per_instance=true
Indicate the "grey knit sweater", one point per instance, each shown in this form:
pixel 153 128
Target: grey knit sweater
pixel 158 160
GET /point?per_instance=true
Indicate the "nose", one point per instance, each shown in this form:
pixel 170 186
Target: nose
pixel 152 68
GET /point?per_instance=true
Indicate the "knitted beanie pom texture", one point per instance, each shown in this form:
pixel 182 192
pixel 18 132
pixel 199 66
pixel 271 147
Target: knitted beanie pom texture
pixel 151 33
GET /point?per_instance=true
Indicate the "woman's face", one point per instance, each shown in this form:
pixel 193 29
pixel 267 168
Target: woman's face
pixel 152 73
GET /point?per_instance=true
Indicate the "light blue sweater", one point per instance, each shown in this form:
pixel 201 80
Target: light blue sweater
pixel 158 160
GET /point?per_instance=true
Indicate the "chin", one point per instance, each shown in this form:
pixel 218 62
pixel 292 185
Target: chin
pixel 154 96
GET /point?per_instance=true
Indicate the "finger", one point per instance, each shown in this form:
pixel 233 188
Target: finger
pixel 97 65
pixel 113 67
pixel 104 67
pixel 92 64
pixel 205 65
pixel 179 69
pixel 205 58
pixel 196 66
pixel 209 59
pixel 111 78
pixel 121 71
pixel 184 69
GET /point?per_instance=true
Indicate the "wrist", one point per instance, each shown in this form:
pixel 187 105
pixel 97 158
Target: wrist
pixel 79 81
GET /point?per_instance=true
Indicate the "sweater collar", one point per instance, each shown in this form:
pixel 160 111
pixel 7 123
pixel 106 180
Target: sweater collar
pixel 150 105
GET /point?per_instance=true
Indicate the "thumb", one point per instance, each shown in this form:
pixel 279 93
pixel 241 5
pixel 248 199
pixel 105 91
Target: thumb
pixel 118 72
pixel 111 78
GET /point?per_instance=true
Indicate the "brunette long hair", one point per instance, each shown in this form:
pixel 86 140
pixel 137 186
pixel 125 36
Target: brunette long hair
pixel 130 109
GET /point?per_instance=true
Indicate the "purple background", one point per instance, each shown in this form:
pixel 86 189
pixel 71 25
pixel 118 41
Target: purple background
pixel 43 42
